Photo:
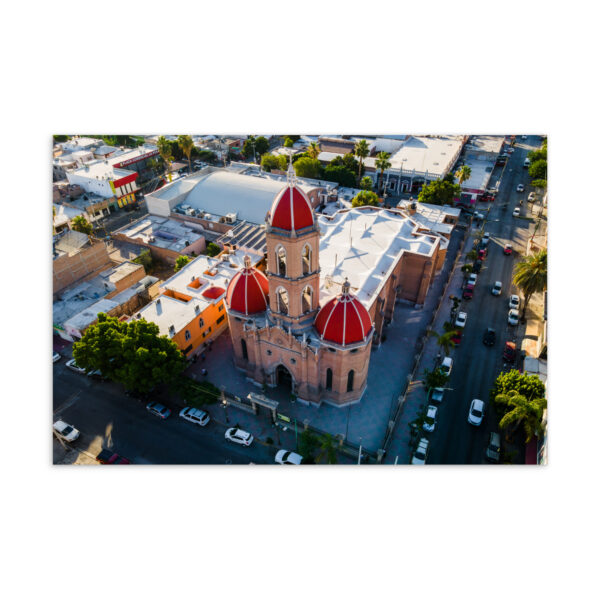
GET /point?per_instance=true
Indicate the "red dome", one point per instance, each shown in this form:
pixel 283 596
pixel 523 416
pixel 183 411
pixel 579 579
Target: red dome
pixel 248 290
pixel 343 320
pixel 291 210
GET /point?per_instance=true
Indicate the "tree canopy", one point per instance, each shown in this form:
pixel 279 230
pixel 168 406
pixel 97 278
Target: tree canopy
pixel 340 174
pixel 181 262
pixel 538 169
pixel 366 183
pixel 521 413
pixel 186 144
pixel 308 167
pixel 213 249
pixel 81 224
pixel 365 198
pixel 132 353
pixel 439 192
pixel 435 378
pixel 463 174
pixel 289 142
pixel 529 386
pixel 144 259
pixel 348 161
pixel 314 150
pixel 531 275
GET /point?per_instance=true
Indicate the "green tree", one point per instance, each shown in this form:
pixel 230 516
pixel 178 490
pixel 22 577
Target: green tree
pixel 203 155
pixel 262 145
pixel 531 276
pixel 289 142
pixel 383 164
pixel 212 249
pixel 538 169
pixel 284 162
pixel 361 150
pixel 165 151
pixel 439 192
pixel 268 162
pixel 314 150
pixel 327 450
pixel 249 147
pixel 60 138
pixel 308 167
pixel 80 223
pixel 339 174
pixel 521 413
pixel 366 183
pixel 526 385
pixel 472 254
pixel 132 353
pixel 541 154
pixel 144 259
pixel 444 340
pixel 463 174
pixel 186 143
pixel 308 443
pixel 181 261
pixel 365 198
pixel 540 183
pixel 435 378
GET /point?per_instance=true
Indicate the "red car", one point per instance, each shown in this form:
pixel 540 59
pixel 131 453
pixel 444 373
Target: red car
pixel 107 457
pixel 510 352
pixel 458 337
pixel 468 291
pixel 482 254
pixel 507 249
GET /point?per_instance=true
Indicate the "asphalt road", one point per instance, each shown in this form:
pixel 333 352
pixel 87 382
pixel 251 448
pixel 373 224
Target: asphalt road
pixel 476 366
pixel 107 418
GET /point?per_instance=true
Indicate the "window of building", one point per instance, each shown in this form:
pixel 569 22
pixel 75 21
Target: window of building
pixel 307 299
pixel 329 381
pixel 282 301
pixel 293 361
pixel 188 335
pixel 244 350
pixel 200 322
pixel 306 259
pixel 350 385
pixel 331 349
pixel 220 319
pixel 269 353
pixel 220 307
pixel 281 261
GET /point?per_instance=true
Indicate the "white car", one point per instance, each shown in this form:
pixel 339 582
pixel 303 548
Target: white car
pixel 478 216
pixel 195 415
pixel 71 364
pixel 420 455
pixel 531 197
pixel 517 212
pixel 446 366
pixel 497 288
pixel 461 320
pixel 158 409
pixel 520 188
pixel 510 150
pixel 437 394
pixel 472 279
pixel 485 239
pixel 513 317
pixel 476 412
pixel 429 424
pixel 513 301
pixel 55 357
pixel 285 457
pixel 239 436
pixel 65 431
pixel 523 137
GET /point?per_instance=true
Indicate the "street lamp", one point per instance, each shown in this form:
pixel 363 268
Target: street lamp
pixel 224 405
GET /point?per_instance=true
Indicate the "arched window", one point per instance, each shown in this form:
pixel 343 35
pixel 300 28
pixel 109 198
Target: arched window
pixel 188 335
pixel 282 301
pixel 350 385
pixel 281 261
pixel 201 322
pixel 307 295
pixel 244 350
pixel 329 381
pixel 306 259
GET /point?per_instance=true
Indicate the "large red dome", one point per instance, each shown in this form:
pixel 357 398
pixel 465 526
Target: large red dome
pixel 343 320
pixel 291 210
pixel 248 290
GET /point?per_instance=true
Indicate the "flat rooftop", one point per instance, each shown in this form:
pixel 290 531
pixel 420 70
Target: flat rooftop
pixel 433 155
pixel 64 214
pixel 481 171
pixel 129 156
pixel 364 245
pixel 101 169
pixel 432 216
pixel 485 143
pixel 162 232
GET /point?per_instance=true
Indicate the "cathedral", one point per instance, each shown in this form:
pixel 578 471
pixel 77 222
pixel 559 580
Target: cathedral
pixel 281 333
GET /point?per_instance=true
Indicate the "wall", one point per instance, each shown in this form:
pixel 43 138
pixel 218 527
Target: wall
pixel 69 269
pixel 99 186
pixel 128 280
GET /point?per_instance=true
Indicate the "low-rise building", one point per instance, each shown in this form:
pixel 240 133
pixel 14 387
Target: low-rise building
pixel 63 215
pixel 431 217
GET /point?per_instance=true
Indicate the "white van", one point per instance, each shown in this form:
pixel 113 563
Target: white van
pixel 527 163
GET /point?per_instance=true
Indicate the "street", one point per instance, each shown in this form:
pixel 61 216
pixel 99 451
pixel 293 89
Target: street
pixel 476 366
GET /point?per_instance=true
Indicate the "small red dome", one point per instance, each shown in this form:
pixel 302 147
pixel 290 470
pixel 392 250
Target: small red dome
pixel 291 210
pixel 343 320
pixel 213 292
pixel 248 290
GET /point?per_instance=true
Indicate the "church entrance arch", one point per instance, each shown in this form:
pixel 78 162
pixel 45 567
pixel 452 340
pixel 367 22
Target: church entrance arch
pixel 284 378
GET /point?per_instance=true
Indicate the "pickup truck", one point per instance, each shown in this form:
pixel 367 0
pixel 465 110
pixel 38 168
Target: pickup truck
pixel 108 457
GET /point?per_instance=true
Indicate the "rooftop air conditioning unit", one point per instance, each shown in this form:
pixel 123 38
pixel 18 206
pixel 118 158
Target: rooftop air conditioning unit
pixel 231 217
pixel 172 329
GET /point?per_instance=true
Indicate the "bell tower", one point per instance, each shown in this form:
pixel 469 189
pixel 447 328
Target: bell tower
pixel 292 258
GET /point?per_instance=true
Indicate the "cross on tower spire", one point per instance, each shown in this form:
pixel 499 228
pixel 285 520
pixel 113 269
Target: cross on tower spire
pixel 291 173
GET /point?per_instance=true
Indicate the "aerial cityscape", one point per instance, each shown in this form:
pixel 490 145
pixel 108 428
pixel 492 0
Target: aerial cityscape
pixel 299 299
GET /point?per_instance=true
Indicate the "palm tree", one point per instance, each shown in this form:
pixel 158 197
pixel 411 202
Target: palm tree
pixel 314 150
pixel 186 143
pixel 472 255
pixel 531 276
pixel 164 149
pixel 525 414
pixel 328 450
pixel 444 340
pixel 382 163
pixel 361 150
pixel 463 174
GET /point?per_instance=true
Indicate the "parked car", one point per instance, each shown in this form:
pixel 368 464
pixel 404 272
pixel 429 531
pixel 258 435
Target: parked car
pixel 472 279
pixel 457 337
pixel 492 452
pixel 461 319
pixel 195 415
pixel 513 317
pixel 108 457
pixel 513 301
pixel 478 216
pixel 239 436
pixel 158 409
pixel 468 291
pixel 71 364
pixel 65 431
pixel 497 288
pixel 526 163
pixel 55 357
pixel 437 394
pixel 531 197
pixel 96 374
pixel 420 455
pixel 520 188
pixel 517 212
pixel 286 457
pixel 446 366
pixel 482 254
pixel 485 240
pixel 489 337
pixel 510 352
pixel 477 266
pixel 510 150
pixel 476 412
pixel 507 249
pixel 430 418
